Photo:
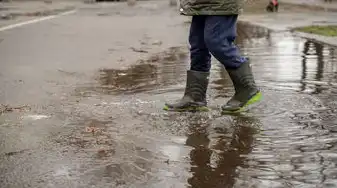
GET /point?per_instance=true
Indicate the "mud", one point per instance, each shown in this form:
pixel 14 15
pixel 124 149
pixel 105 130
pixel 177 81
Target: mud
pixel 7 108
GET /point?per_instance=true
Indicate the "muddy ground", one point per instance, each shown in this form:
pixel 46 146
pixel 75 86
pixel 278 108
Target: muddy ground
pixel 82 99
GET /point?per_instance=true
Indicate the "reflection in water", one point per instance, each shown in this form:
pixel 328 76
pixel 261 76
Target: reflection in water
pixel 217 153
pixel 136 78
pixel 291 63
pixel 166 68
pixel 304 64
pixel 313 49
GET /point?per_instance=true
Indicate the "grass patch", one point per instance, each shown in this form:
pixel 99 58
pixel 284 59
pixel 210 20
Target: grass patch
pixel 330 31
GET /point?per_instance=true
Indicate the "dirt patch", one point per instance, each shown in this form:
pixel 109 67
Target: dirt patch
pixel 330 31
pixel 7 108
pixel 14 153
pixel 1 8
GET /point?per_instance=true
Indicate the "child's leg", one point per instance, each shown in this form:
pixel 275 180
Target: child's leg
pixel 220 33
pixel 199 54
pixel 197 77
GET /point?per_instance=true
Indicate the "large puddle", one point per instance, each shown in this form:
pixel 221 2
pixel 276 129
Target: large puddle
pixel 287 140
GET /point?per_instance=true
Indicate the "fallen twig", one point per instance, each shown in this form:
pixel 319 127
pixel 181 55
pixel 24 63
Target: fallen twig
pixel 139 50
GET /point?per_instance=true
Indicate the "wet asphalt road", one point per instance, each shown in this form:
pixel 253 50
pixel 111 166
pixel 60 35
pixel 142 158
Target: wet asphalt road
pixel 84 95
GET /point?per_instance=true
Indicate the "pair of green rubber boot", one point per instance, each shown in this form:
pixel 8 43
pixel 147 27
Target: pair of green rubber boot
pixel 194 99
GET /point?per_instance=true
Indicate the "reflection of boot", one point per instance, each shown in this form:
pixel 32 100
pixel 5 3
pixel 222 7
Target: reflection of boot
pixel 246 92
pixel 195 93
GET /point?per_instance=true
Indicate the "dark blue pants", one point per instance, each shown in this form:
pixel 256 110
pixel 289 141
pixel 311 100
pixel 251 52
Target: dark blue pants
pixel 214 35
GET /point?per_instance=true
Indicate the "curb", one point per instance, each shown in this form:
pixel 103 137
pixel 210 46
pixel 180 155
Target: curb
pixel 311 6
pixel 316 38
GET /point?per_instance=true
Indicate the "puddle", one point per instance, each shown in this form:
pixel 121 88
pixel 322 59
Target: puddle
pixel 157 71
pixel 287 140
pixel 137 78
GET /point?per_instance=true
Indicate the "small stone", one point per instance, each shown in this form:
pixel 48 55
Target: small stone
pixel 157 42
pixel 5 16
pixel 121 59
pixel 91 129
pixel 102 153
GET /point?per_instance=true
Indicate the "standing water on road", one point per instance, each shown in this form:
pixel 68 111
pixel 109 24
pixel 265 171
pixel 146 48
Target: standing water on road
pixel 288 139
pixel 123 138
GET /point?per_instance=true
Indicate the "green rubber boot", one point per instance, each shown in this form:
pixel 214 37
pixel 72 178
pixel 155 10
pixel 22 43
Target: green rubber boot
pixel 194 98
pixel 246 92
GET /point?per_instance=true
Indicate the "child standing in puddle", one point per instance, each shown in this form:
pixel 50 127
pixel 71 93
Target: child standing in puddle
pixel 212 32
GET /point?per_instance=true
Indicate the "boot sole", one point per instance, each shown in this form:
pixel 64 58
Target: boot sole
pixel 256 98
pixel 188 109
